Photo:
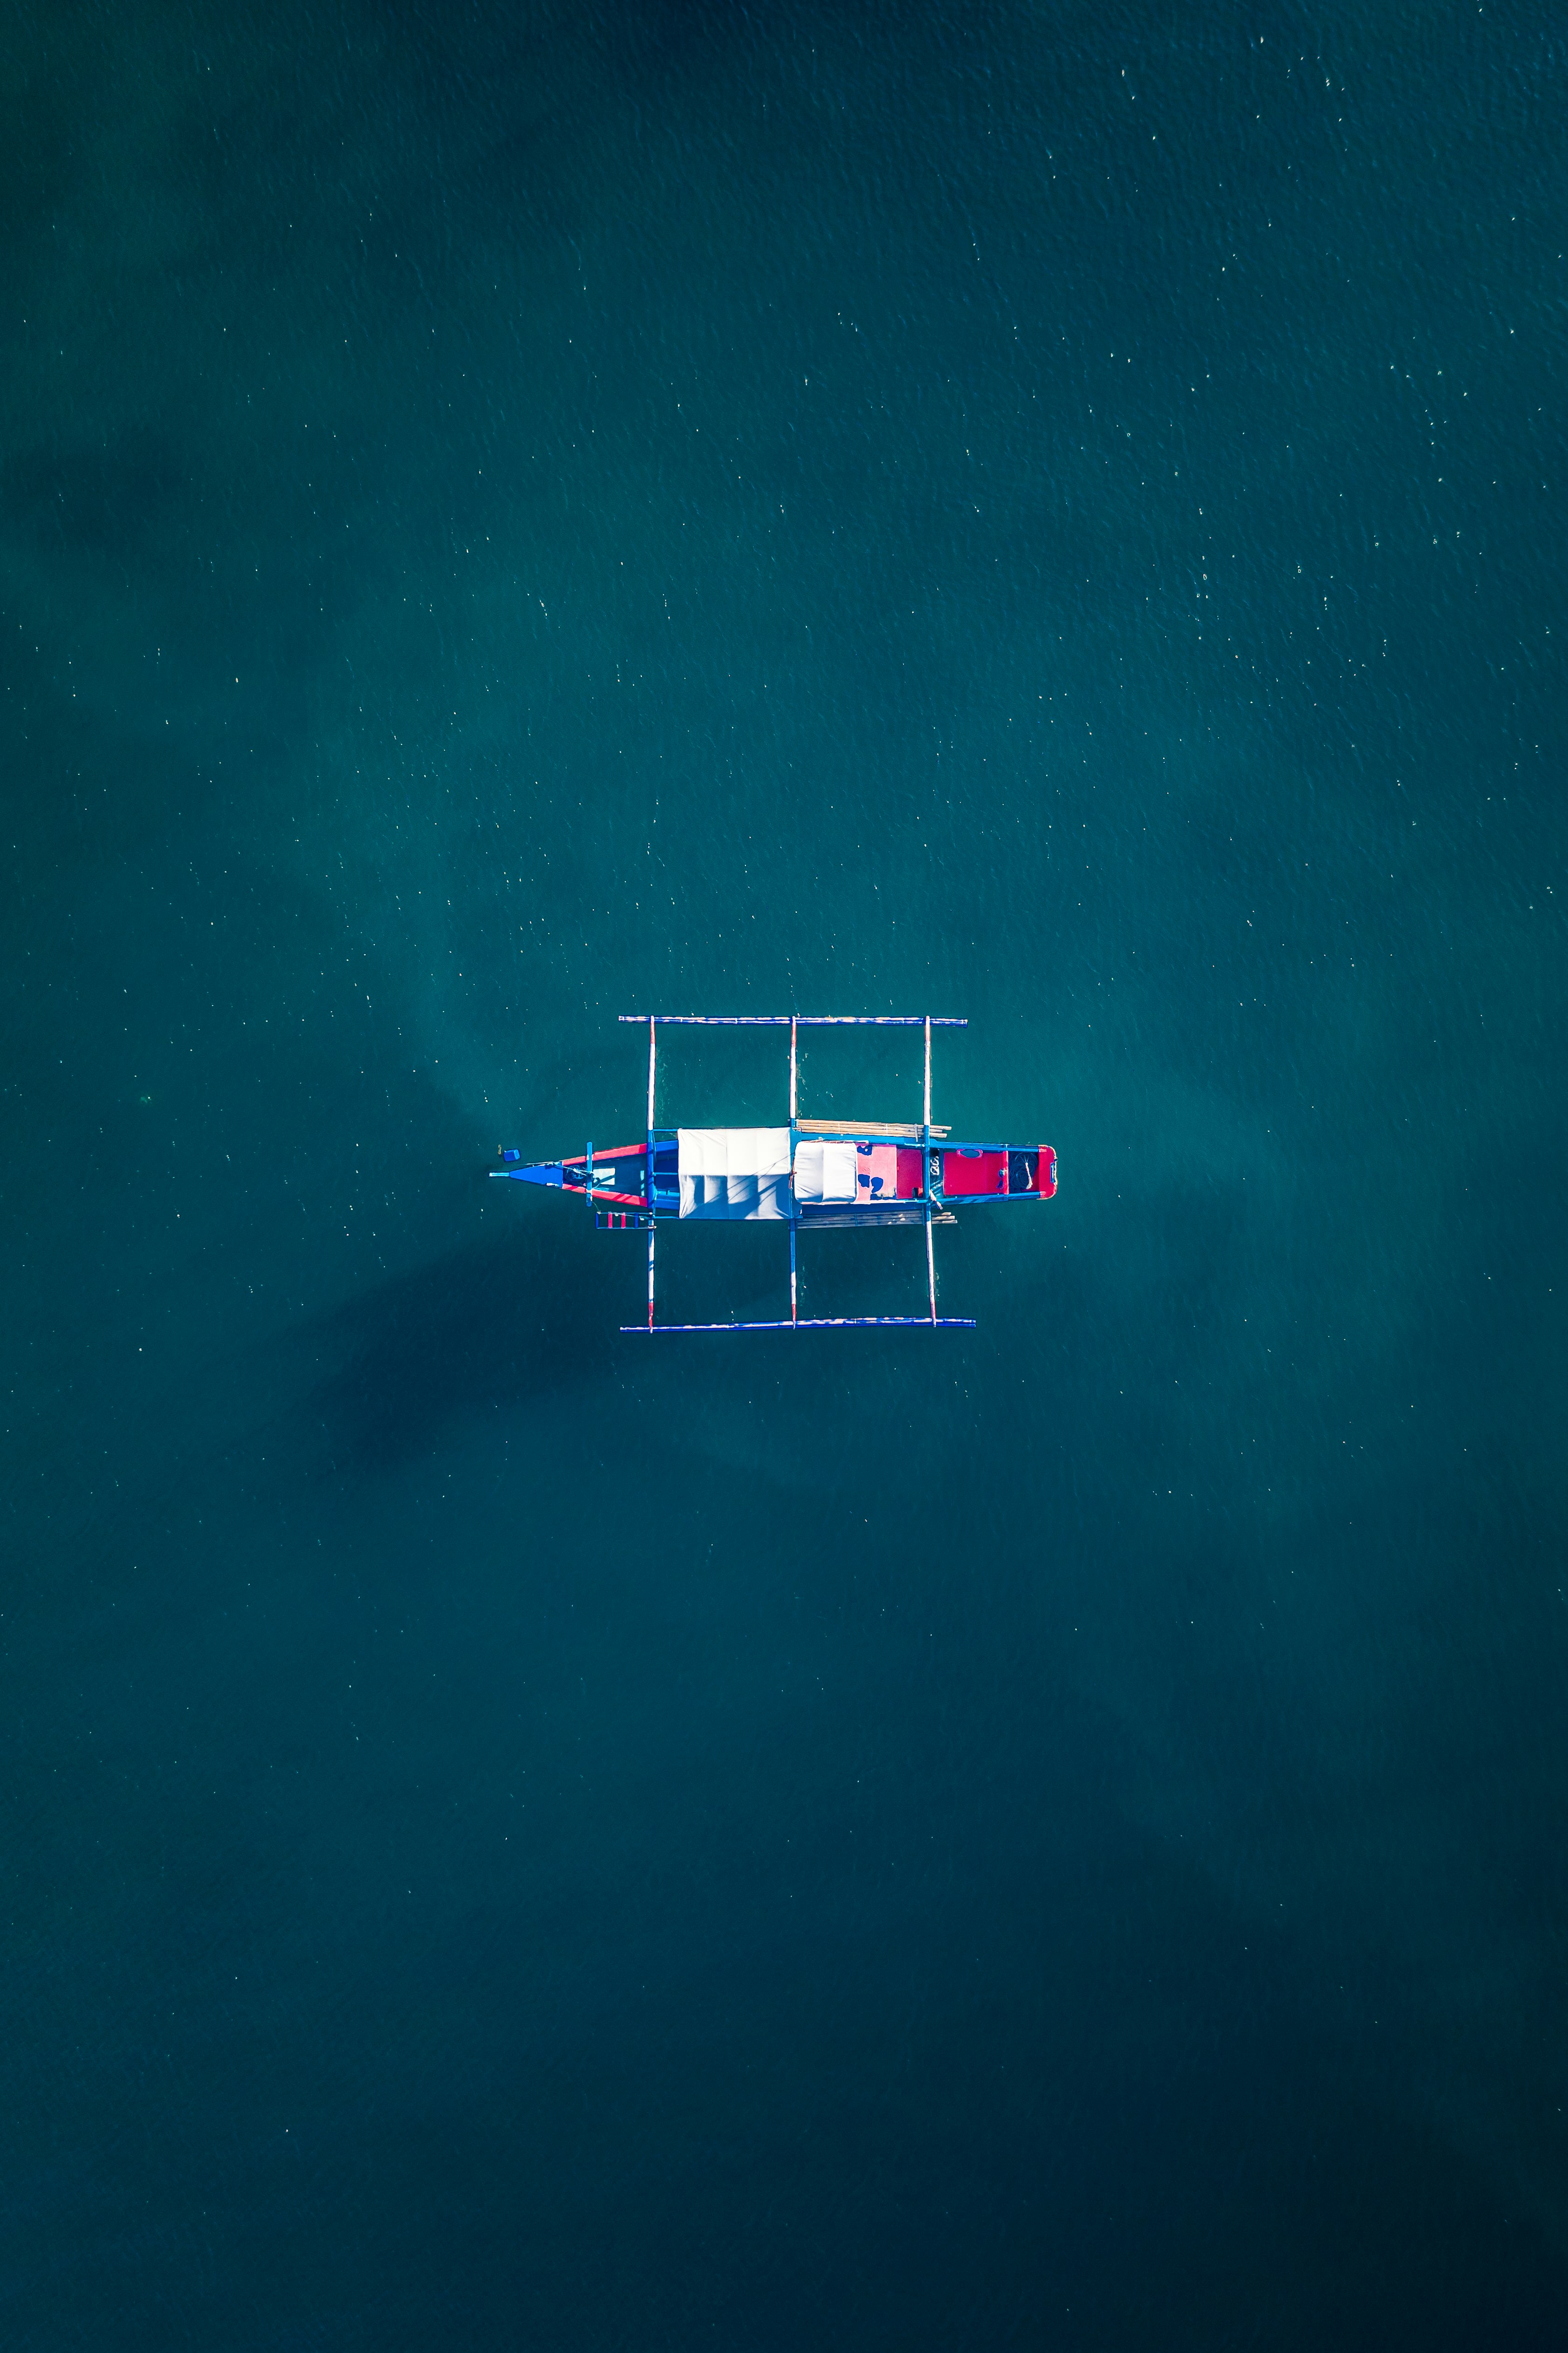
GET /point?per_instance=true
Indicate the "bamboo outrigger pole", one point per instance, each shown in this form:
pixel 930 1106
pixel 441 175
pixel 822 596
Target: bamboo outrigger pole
pixel 930 1247
pixel 648 1165
pixel 793 1217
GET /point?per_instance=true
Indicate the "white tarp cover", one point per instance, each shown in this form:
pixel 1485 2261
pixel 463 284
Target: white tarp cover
pixel 824 1172
pixel 734 1172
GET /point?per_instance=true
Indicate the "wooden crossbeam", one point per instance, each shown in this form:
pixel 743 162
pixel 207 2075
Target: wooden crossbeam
pixel 848 1127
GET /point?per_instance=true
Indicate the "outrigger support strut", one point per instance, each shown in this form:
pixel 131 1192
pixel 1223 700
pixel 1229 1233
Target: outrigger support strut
pixel 925 1149
pixel 794 1213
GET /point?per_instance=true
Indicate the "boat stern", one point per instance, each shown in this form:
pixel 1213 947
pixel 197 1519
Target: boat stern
pixel 1032 1169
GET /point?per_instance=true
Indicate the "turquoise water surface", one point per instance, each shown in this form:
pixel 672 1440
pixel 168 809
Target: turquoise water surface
pixel 1044 1836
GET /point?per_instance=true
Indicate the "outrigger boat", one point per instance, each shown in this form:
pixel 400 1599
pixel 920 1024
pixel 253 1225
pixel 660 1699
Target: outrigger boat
pixel 815 1172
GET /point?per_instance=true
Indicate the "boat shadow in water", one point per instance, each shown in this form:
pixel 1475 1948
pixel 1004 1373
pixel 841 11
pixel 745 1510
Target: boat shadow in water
pixel 499 1322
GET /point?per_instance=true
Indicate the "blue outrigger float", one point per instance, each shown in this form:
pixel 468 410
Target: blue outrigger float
pixel 815 1172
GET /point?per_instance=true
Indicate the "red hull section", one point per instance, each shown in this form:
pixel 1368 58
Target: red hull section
pixel 969 1174
pixel 993 1172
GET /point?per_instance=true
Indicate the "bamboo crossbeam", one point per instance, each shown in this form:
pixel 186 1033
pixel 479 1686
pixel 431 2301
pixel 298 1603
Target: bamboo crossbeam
pixel 851 1128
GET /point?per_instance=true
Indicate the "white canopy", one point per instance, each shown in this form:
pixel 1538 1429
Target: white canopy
pixel 734 1172
pixel 824 1171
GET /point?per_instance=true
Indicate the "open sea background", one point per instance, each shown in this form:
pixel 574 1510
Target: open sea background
pixel 1050 1836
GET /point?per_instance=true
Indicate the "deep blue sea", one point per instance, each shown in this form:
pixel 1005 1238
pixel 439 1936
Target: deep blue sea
pixel 1050 1836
